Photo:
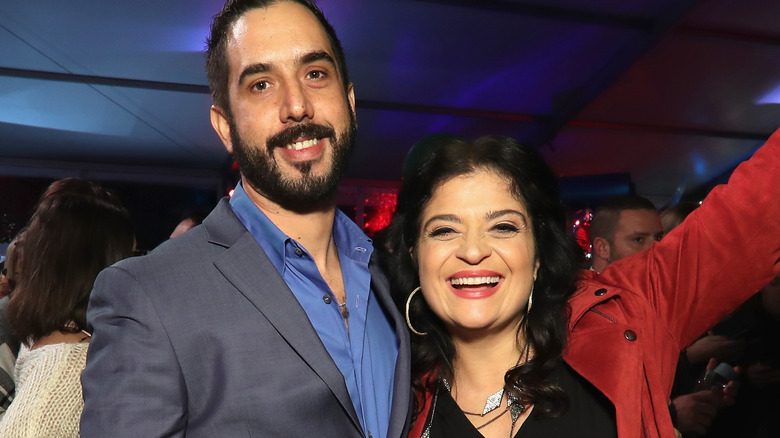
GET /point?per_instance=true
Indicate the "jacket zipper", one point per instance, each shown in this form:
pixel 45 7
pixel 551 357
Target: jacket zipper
pixel 614 321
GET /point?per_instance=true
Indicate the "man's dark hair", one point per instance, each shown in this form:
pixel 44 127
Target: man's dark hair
pixel 606 217
pixel 217 67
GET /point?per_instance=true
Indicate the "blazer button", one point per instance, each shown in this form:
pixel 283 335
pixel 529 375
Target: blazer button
pixel 327 299
pixel 630 335
pixel 600 292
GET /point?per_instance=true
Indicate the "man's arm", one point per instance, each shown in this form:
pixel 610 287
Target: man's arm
pixel 132 383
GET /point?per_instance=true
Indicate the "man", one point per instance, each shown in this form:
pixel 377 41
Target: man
pixel 269 319
pixel 626 225
pixel 623 226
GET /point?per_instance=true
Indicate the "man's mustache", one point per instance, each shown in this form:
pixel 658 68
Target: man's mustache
pixel 291 134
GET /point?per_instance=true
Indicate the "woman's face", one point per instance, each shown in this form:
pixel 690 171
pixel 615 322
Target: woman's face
pixel 475 252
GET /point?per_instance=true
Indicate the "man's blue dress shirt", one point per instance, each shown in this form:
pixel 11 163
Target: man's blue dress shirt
pixel 366 353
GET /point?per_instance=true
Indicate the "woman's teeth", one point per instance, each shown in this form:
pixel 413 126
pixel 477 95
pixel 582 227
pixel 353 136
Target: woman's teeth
pixel 475 281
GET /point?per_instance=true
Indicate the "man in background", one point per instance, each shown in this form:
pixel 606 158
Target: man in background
pixel 624 226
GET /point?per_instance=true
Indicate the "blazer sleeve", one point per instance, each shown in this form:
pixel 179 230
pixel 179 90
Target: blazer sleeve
pixel 723 253
pixel 133 386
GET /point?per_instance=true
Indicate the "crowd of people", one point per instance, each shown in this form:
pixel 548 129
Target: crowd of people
pixel 473 314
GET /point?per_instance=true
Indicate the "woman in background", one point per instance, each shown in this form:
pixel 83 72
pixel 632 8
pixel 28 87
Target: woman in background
pixel 77 229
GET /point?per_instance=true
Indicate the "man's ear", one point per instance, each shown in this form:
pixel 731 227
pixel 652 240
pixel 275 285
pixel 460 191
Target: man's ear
pixel 351 98
pixel 221 124
pixel 601 248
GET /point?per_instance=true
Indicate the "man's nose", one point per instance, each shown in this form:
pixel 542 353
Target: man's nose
pixel 296 106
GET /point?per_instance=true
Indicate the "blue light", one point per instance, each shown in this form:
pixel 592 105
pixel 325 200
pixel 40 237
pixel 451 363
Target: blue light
pixel 771 97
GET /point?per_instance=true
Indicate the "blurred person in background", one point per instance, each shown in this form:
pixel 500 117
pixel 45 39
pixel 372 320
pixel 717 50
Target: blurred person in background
pixel 78 228
pixel 676 214
pixel 188 220
pixel 9 345
pixel 626 225
pixel 9 267
pixel 622 226
pixel 756 324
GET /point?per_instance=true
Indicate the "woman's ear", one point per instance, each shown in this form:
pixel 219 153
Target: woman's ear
pixel 536 268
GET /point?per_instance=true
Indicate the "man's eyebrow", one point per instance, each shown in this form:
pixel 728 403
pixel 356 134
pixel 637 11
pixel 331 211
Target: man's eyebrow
pixel 253 70
pixel 319 55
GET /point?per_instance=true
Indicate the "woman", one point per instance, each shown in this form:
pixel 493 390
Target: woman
pixel 77 229
pixel 505 343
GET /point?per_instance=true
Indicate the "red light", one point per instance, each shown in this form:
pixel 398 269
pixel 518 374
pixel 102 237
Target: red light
pixel 378 211
pixel 231 192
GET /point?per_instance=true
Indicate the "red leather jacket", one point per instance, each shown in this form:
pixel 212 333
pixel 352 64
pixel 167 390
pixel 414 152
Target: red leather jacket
pixel 629 323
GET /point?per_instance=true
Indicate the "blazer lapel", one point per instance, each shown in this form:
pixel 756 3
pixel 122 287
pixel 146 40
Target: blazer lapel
pixel 246 266
pixel 402 400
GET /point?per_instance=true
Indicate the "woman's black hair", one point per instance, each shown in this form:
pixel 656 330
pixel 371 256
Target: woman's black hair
pixel 544 328
pixel 78 229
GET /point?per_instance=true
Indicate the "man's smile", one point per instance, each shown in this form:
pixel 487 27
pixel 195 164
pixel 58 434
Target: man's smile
pixel 304 144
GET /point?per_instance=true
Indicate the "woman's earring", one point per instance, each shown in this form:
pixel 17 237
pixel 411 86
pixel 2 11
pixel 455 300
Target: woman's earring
pixel 530 300
pixel 408 321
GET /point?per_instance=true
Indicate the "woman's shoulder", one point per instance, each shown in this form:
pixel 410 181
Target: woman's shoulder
pixel 45 359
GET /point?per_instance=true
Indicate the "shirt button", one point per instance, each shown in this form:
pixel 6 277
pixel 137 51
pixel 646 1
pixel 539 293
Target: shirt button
pixel 600 292
pixel 327 299
pixel 630 335
pixel 298 251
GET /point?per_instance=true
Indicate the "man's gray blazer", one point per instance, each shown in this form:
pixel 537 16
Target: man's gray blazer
pixel 203 338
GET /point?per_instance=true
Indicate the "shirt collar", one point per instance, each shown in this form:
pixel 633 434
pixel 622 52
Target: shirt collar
pixel 351 241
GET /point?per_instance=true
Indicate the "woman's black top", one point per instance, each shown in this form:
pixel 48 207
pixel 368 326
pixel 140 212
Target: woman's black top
pixel 589 415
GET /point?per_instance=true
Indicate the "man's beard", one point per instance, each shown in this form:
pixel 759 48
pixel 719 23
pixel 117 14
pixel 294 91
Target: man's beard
pixel 262 173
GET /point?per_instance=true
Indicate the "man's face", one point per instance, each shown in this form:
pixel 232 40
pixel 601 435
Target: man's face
pixel 292 120
pixel 637 230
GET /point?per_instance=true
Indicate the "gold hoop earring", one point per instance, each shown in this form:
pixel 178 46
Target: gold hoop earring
pixel 408 321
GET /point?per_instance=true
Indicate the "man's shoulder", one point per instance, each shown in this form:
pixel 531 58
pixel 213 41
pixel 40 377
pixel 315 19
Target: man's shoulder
pixel 190 247
pixel 200 244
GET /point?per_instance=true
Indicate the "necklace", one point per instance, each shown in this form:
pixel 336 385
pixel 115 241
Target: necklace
pixel 491 403
pixel 513 404
pixel 343 308
pixel 496 418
